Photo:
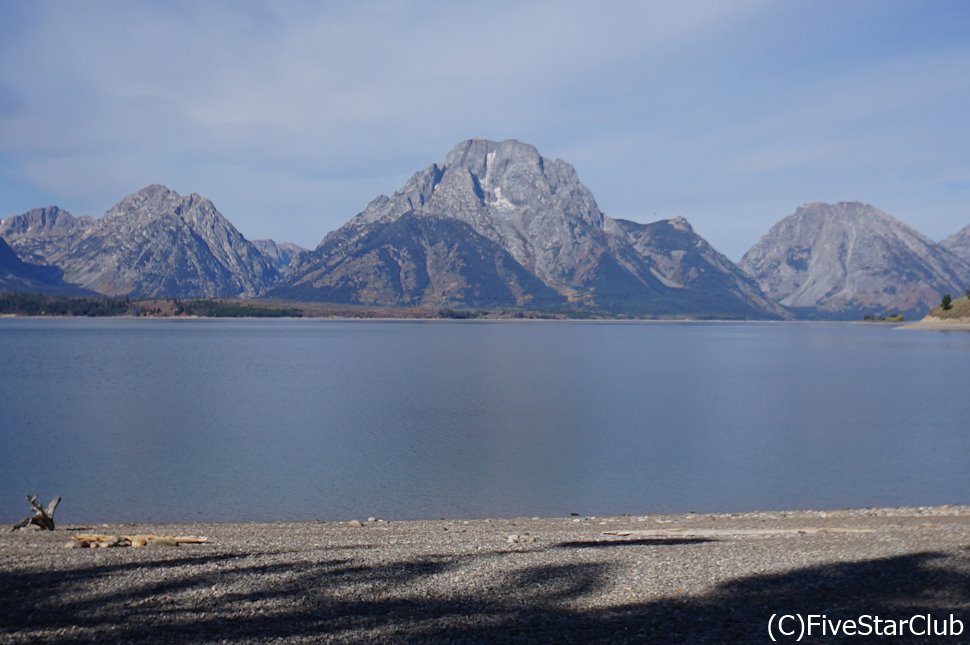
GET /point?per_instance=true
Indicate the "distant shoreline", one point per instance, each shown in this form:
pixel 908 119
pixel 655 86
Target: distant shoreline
pixel 23 305
pixel 485 319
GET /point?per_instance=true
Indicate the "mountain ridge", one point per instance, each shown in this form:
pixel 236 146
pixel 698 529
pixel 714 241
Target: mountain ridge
pixel 24 277
pixel 538 212
pixel 959 244
pixel 849 258
pixel 498 225
pixel 42 234
pixel 152 243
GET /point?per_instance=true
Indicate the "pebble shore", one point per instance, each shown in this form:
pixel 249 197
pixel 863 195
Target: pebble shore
pixel 693 578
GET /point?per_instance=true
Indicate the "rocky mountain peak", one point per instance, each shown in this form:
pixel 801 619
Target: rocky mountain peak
pixel 536 209
pixel 152 199
pixel 959 244
pixel 154 243
pixel 837 209
pixel 154 192
pixel 158 203
pixel 857 213
pixel 483 181
pixel 42 235
pixel 680 223
pixel 51 219
pixel 475 154
pixel 509 176
pixel 849 258
pixel 497 223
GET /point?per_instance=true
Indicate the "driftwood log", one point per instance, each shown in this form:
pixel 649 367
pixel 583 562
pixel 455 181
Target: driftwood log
pixel 42 517
pixel 95 540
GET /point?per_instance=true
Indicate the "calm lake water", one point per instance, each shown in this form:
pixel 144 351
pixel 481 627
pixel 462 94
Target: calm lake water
pixel 169 420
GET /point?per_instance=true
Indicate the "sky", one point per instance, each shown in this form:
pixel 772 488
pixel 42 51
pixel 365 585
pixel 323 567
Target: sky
pixel 292 115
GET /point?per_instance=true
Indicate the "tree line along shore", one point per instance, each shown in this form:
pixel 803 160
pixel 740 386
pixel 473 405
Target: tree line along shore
pixel 951 310
pixel 35 304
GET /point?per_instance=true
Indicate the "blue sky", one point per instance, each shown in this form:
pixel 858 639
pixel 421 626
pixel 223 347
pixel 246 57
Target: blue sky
pixel 292 116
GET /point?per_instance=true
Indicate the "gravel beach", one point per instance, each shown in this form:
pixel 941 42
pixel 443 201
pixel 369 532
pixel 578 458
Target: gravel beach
pixel 658 578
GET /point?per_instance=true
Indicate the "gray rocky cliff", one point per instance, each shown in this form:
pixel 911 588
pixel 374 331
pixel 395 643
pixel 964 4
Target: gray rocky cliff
pixel 280 254
pixel 153 243
pixel 534 208
pixel 848 259
pixel 959 244
pixel 19 276
pixel 417 261
pixel 43 235
pixel 681 259
pixel 537 212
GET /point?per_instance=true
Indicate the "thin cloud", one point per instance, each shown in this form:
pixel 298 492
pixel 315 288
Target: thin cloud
pixel 292 116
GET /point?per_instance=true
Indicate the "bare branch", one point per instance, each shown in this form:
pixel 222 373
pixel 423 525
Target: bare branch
pixel 49 511
pixel 43 518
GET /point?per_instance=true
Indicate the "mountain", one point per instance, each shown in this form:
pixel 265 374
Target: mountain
pixel 959 244
pixel 279 253
pixel 684 260
pixel 153 243
pixel 19 276
pixel 416 260
pixel 849 259
pixel 499 225
pixel 44 233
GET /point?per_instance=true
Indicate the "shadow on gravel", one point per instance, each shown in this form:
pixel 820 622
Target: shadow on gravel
pixel 211 598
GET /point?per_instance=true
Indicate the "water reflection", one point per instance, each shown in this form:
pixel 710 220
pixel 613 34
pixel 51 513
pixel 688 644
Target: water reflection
pixel 258 420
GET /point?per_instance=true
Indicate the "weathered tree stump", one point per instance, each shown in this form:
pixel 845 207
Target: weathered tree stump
pixel 42 517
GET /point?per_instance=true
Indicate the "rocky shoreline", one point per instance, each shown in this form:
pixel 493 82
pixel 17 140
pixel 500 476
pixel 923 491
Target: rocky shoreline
pixel 710 578
pixel 931 323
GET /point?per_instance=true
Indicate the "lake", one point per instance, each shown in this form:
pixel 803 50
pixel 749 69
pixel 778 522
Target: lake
pixel 238 420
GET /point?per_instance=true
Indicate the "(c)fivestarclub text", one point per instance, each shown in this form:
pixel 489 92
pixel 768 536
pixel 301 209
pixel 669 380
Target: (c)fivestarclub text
pixel 795 627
